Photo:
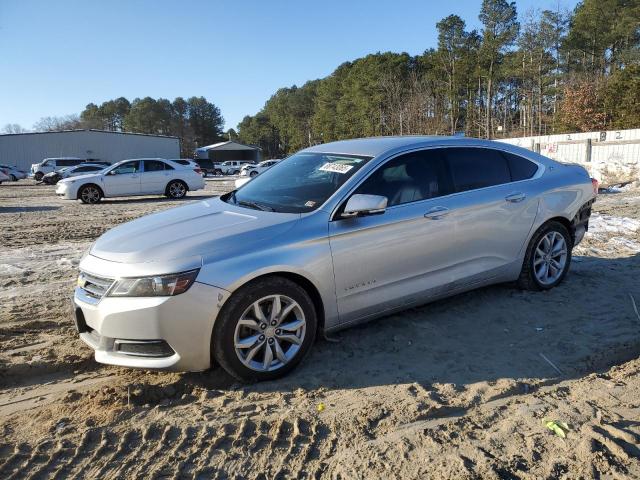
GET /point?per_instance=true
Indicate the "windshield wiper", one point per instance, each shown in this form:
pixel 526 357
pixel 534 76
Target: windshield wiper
pixel 255 205
pixel 246 203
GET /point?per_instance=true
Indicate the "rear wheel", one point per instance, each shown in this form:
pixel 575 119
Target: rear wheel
pixel 253 174
pixel 264 330
pixel 236 172
pixel 176 189
pixel 90 194
pixel 38 176
pixel 548 257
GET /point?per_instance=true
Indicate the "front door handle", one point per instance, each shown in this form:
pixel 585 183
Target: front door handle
pixel 436 213
pixel 515 197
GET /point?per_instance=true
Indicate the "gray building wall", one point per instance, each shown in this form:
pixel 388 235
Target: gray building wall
pixel 24 149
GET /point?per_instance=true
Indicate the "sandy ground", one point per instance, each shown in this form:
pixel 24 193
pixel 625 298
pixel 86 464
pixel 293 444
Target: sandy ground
pixel 454 389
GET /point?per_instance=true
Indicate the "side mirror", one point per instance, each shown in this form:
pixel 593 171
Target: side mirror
pixel 361 204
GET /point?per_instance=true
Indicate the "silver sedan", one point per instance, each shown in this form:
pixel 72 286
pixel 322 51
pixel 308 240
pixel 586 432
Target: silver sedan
pixel 334 235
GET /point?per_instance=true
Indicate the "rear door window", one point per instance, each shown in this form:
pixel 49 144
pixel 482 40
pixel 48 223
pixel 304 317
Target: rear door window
pixel 154 166
pixel 474 168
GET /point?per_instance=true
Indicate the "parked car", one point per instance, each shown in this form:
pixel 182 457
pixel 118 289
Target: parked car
pixel 337 234
pixel 38 170
pixel 13 172
pixel 233 167
pixel 255 170
pixel 4 177
pixel 54 177
pixel 146 176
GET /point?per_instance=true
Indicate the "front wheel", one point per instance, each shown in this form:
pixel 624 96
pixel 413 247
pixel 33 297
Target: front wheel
pixel 90 194
pixel 38 176
pixel 264 330
pixel 176 189
pixel 253 174
pixel 547 259
pixel 13 178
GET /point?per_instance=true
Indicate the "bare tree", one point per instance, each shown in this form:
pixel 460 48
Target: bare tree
pixel 13 128
pixel 52 124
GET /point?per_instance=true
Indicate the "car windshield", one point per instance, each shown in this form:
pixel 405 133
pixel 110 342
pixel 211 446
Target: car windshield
pixel 298 184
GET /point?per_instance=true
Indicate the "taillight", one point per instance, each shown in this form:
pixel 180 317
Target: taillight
pixel 198 171
pixel 595 184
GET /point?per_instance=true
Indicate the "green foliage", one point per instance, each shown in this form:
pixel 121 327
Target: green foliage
pixel 604 35
pixel 195 121
pixel 555 72
pixel 622 97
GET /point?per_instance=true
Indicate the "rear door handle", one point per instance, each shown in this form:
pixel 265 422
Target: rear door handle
pixel 515 197
pixel 436 213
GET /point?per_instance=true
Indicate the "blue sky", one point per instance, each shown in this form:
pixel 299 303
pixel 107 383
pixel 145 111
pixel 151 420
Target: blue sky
pixel 58 55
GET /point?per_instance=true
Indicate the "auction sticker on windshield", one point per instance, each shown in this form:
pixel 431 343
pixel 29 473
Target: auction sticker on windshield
pixel 335 167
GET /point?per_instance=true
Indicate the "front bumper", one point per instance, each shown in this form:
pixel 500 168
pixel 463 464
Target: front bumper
pixel 66 191
pixel 123 331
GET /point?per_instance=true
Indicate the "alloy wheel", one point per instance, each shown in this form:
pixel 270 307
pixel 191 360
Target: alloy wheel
pixel 550 258
pixel 90 194
pixel 270 333
pixel 177 190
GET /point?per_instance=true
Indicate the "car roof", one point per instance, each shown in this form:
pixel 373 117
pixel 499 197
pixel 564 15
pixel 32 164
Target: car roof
pixel 376 146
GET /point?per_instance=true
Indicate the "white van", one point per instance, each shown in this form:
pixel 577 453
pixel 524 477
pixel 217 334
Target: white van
pixel 48 165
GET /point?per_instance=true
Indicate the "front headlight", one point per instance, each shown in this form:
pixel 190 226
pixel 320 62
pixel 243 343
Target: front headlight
pixel 156 286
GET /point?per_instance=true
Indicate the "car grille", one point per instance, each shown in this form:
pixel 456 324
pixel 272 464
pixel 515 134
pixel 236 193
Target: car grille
pixel 93 285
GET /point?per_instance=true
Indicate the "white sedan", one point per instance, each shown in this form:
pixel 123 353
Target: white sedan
pixel 13 173
pixel 255 170
pixel 147 176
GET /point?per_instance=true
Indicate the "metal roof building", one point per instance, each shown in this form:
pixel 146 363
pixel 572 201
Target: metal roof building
pixel 24 149
pixel 225 151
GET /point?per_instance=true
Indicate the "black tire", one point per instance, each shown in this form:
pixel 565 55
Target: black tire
pixel 223 344
pixel 90 194
pixel 176 189
pixel 217 171
pixel 253 174
pixel 236 172
pixel 38 176
pixel 528 280
pixel 13 178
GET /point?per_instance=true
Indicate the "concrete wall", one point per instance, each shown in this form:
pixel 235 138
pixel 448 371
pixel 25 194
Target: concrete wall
pixel 24 149
pixel 611 157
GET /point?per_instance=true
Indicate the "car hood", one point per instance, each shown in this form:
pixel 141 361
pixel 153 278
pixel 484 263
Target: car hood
pixel 209 227
pixel 96 177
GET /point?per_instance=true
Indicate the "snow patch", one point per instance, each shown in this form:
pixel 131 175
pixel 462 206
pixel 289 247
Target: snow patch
pixel 603 224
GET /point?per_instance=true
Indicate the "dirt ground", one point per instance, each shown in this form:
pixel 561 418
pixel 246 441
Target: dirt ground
pixel 456 389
